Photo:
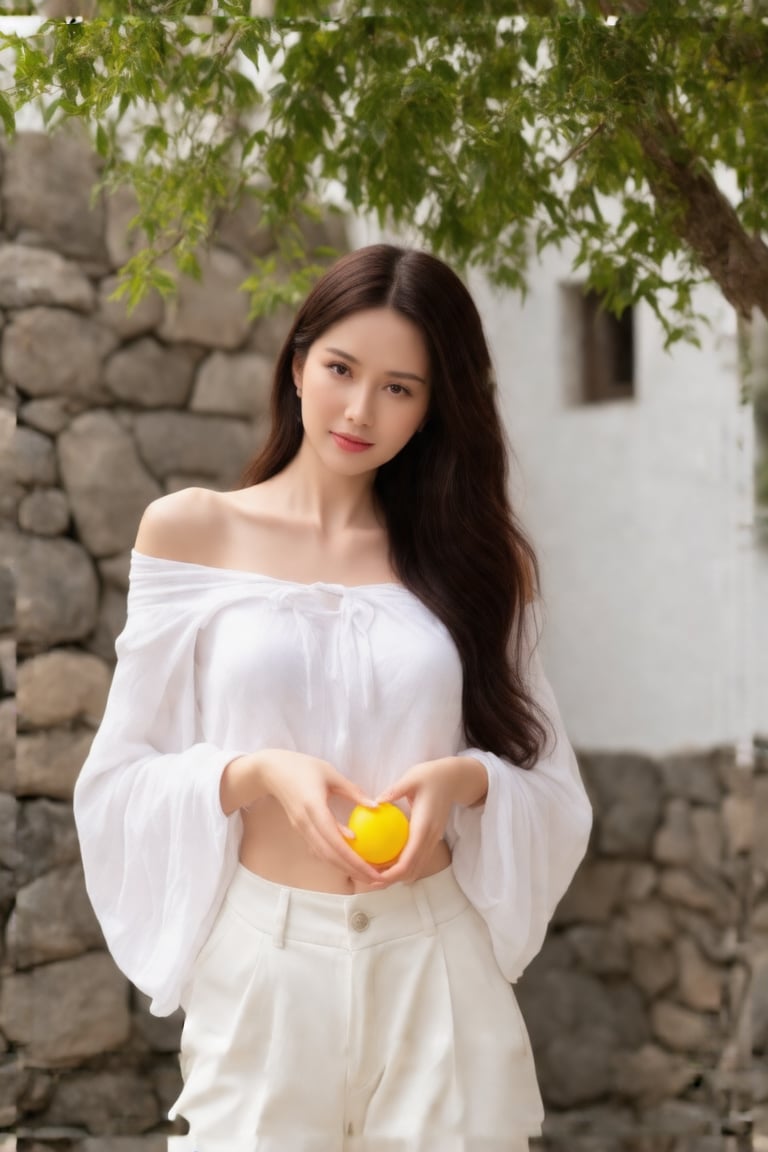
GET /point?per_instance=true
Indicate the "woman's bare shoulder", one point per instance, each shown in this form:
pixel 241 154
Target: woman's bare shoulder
pixel 188 525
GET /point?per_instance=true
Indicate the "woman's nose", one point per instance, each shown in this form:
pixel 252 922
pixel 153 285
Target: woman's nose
pixel 360 407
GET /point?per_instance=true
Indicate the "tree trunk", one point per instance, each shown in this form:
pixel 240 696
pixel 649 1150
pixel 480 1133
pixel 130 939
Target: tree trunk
pixel 706 220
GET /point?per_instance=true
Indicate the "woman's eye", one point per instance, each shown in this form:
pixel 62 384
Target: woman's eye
pixel 403 390
pixel 339 369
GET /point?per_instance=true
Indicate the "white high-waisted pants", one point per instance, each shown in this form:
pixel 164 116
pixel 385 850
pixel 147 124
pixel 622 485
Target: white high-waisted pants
pixel 376 1022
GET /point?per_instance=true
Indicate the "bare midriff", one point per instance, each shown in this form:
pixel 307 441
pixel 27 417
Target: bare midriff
pixel 271 848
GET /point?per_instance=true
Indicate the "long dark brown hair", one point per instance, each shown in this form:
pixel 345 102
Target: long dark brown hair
pixel 454 539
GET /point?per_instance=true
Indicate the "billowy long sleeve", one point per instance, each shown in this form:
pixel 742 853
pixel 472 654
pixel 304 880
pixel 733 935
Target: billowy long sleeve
pixel 515 855
pixel 157 848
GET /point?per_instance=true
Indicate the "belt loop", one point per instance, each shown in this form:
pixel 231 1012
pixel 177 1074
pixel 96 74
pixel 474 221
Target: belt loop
pixel 281 918
pixel 425 911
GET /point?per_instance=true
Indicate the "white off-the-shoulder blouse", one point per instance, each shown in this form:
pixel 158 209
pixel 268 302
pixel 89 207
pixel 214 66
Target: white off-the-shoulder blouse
pixel 214 663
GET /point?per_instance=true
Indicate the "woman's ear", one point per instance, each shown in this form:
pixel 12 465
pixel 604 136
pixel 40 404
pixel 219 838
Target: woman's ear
pixel 297 368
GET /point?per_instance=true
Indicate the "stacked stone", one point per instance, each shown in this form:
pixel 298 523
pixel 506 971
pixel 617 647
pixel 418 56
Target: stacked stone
pixel 640 1000
pixel 112 410
pixel 759 928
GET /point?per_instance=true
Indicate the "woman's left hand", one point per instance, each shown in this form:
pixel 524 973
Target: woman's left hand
pixel 431 788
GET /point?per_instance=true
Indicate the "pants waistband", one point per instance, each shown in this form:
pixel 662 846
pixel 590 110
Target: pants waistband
pixel 360 920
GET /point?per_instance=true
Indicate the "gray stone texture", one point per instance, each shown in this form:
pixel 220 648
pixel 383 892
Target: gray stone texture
pixel 51 414
pixel 66 1011
pixel 124 1144
pixel 649 922
pixel 739 822
pixel 8 665
pixel 44 512
pixel 695 774
pixel 57 599
pixel 150 375
pixel 9 849
pixel 650 1074
pixel 603 951
pixel 700 983
pixel 60 686
pixel 7 466
pixel 269 332
pixel 48 762
pixel 52 920
pixel 128 322
pixel 681 1029
pixel 186 442
pixel 35 458
pixel 233 385
pixel 160 1033
pixel 581 1023
pixel 653 969
pixel 122 240
pixel 760 846
pixel 241 230
pixel 107 484
pixel 594 894
pixel 46 838
pixel 106 1102
pixel 213 311
pixel 115 570
pixel 47 187
pixel 111 621
pixel 10 1087
pixel 628 792
pixel 760 1004
pixel 52 351
pixel 708 837
pixel 7 585
pixel 7 745
pixel 30 276
pixel 674 842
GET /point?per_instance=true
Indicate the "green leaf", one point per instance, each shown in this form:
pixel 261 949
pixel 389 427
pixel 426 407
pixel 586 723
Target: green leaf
pixel 102 141
pixel 7 116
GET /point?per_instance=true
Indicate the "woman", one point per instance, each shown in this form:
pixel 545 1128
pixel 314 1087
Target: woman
pixel 355 623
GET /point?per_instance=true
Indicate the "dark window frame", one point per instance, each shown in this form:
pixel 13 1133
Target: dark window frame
pixel 602 348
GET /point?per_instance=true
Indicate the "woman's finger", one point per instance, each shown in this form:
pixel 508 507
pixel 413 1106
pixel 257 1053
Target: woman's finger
pixel 402 789
pixel 343 855
pixel 424 834
pixel 343 787
pixel 319 830
pixel 409 862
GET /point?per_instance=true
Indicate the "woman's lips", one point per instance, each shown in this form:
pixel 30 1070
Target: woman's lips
pixel 349 445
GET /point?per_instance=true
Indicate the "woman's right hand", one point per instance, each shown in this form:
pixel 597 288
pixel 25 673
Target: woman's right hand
pixel 302 785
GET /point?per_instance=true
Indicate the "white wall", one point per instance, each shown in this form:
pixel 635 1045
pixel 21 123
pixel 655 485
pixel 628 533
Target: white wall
pixel 635 508
pixel 760 641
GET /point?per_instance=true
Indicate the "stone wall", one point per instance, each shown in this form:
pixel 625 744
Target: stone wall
pixel 639 1006
pixel 649 1002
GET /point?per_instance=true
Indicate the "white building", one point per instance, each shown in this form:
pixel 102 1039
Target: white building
pixel 641 510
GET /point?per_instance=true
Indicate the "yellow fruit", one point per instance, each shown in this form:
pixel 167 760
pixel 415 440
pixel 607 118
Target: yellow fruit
pixel 380 833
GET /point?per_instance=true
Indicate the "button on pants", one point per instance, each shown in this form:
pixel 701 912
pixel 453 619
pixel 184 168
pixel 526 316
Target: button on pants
pixel 376 1022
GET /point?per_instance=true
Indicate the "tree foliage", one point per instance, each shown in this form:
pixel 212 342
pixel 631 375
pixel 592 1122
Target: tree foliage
pixel 489 137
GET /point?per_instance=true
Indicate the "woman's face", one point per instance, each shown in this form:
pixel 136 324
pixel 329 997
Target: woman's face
pixel 366 377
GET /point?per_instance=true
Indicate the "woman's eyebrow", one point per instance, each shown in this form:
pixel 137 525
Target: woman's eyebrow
pixel 354 360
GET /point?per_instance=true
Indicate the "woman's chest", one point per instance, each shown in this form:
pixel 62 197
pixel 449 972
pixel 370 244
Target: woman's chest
pixel 319 644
